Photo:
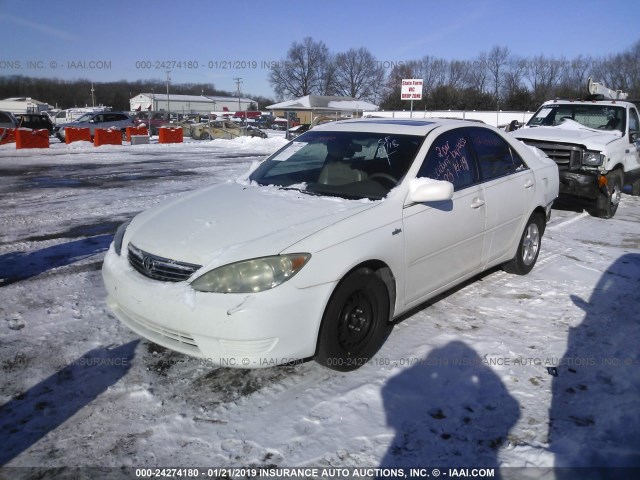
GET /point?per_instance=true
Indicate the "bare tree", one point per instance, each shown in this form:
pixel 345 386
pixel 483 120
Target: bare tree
pixel 304 70
pixel 544 75
pixel 358 74
pixel 477 73
pixel 512 78
pixel 496 61
pixel 457 74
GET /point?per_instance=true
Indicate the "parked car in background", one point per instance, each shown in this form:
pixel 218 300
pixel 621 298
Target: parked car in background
pixel 118 120
pixel 297 131
pixel 7 120
pixel 316 251
pixel 72 114
pixel 223 129
pixel 154 120
pixel 35 121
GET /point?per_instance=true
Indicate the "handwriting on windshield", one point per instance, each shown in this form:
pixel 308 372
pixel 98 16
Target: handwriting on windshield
pixel 452 161
pixel 385 145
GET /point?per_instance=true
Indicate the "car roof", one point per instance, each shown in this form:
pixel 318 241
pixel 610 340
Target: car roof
pixel 407 126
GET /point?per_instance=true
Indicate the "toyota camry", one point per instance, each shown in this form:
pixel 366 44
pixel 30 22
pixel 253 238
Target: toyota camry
pixel 315 252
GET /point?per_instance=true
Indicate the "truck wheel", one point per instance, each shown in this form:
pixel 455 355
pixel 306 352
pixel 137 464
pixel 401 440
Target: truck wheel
pixel 635 188
pixel 528 248
pixel 355 323
pixel 607 203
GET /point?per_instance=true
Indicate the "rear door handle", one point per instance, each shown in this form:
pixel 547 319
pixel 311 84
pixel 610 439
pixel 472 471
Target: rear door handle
pixel 477 203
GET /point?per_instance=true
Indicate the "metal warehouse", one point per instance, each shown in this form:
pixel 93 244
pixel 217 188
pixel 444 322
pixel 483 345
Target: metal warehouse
pixel 189 103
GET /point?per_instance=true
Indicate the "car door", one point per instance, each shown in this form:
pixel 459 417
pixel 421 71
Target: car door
pixel 509 188
pixel 444 240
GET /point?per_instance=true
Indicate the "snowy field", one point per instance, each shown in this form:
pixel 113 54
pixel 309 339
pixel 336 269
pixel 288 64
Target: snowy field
pixel 523 375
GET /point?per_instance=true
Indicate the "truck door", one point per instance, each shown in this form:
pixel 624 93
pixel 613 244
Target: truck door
pixel 632 153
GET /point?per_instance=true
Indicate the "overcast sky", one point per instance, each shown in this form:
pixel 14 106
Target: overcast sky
pixel 218 41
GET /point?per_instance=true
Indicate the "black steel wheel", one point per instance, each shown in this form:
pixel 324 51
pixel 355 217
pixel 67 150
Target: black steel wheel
pixel 355 323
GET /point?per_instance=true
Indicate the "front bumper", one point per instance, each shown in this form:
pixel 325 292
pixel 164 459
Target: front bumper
pixel 259 330
pixel 579 184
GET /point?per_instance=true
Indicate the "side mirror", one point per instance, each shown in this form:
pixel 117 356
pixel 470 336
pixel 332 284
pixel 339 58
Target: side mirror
pixel 428 190
pixel 633 136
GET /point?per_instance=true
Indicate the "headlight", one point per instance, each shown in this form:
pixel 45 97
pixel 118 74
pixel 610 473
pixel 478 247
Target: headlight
pixel 117 239
pixel 250 276
pixel 592 158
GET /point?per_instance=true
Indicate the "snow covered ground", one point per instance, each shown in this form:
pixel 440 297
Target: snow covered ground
pixel 505 372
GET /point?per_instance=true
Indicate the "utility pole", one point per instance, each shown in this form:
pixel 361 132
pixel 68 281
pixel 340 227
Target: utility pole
pixel 93 98
pixel 168 104
pixel 238 82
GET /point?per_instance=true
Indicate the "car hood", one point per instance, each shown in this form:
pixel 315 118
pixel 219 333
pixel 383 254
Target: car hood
pixel 230 222
pixel 592 139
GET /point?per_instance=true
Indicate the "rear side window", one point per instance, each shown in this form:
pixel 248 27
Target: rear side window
pixel 5 118
pixel 495 156
pixel 450 159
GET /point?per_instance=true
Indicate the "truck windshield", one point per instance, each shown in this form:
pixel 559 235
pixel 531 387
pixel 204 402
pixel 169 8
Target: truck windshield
pixel 597 116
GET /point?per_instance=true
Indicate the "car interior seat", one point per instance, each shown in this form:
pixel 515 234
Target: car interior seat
pixel 336 171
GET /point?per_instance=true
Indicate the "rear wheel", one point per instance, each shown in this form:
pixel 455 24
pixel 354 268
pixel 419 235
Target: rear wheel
pixel 528 248
pixel 205 136
pixel 635 188
pixel 609 196
pixel 355 323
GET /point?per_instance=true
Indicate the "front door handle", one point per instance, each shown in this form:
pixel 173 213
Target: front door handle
pixel 528 184
pixel 477 203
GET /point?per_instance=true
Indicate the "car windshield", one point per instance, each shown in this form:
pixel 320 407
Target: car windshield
pixel 598 116
pixel 352 165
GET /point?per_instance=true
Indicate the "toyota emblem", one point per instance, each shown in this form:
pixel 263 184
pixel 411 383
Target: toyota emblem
pixel 148 263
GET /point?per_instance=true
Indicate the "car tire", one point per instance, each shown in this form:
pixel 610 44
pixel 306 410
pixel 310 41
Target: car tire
pixel 607 202
pixel 528 247
pixel 355 323
pixel 205 136
pixel 635 188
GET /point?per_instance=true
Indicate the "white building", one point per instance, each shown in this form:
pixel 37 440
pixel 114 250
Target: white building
pixel 306 108
pixel 23 105
pixel 189 103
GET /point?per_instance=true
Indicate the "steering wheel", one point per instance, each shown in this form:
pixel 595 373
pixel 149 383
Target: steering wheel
pixel 384 176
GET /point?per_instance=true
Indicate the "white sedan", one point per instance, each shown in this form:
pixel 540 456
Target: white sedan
pixel 316 251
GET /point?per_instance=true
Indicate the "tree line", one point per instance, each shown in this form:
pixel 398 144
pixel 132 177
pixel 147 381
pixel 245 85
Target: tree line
pixel 497 79
pixel 77 93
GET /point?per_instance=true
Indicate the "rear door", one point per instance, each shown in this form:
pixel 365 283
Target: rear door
pixel 509 188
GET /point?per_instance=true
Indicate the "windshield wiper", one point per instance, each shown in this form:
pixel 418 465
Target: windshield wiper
pixel 308 192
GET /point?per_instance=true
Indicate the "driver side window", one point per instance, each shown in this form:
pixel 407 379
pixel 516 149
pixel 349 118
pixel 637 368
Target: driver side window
pixel 450 159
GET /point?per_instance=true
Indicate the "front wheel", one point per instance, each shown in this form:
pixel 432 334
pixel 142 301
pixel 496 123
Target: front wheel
pixel 355 323
pixel 609 195
pixel 528 248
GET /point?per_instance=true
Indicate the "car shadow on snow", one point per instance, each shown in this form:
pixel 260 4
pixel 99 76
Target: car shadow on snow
pixel 31 415
pixel 594 421
pixel 17 266
pixel 449 409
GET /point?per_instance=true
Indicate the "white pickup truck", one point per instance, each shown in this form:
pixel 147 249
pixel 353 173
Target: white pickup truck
pixel 594 142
